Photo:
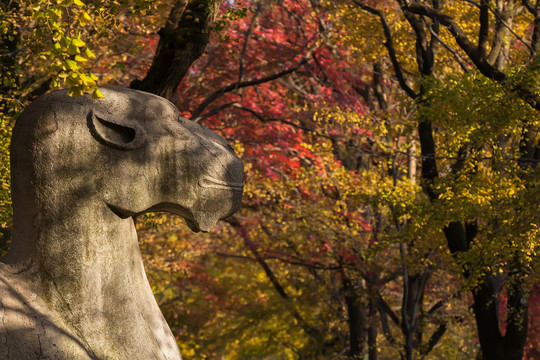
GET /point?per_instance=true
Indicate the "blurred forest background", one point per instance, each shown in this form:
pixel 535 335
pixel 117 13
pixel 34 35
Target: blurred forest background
pixel 391 148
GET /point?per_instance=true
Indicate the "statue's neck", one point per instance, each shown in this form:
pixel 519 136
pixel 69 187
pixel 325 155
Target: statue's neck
pixel 90 270
pixel 81 250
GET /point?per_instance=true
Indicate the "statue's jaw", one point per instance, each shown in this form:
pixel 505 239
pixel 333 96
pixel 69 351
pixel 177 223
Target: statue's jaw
pixel 121 213
pixel 203 225
pixel 214 199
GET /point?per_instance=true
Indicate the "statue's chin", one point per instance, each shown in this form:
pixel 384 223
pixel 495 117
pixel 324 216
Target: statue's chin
pixel 121 213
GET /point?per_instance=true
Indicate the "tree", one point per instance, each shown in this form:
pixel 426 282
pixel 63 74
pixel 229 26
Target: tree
pixel 464 230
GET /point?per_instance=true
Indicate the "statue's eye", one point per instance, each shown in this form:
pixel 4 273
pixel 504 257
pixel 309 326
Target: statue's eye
pixel 117 133
pixel 114 132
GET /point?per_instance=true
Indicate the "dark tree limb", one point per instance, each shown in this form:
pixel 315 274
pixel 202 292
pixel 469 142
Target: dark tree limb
pixel 424 51
pixel 483 34
pixel 384 307
pixel 181 41
pixel 434 339
pixel 310 330
pixel 389 44
pixel 247 35
pixel 534 10
pixel 372 329
pixel 457 57
pixel 241 84
pixel 356 318
pixel 517 310
pixel 385 327
pixel 461 38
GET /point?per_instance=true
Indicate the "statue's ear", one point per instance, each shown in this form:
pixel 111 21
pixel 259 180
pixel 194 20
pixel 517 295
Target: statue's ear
pixel 117 133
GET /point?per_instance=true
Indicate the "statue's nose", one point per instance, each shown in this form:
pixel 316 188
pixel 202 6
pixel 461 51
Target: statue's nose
pixel 227 173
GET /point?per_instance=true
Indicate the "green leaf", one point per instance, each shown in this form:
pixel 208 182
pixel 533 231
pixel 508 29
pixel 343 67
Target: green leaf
pixel 72 65
pixel 78 42
pixel 89 54
pixel 75 91
pixel 87 80
pixel 72 50
pixel 97 94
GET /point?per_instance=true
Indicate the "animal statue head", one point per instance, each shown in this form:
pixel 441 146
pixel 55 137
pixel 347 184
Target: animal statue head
pixel 134 151
pixel 81 168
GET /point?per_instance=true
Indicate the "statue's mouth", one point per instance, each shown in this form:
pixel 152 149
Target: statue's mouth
pixel 197 219
pixel 168 207
pixel 213 183
pixel 121 213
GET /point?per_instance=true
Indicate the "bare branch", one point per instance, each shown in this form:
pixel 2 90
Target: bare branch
pixel 383 306
pixel 458 58
pixel 386 328
pixel 530 7
pixel 434 339
pixel 249 31
pixel 267 119
pixel 241 84
pixel 389 44
pixel 483 33
pixel 461 38
pixel 311 330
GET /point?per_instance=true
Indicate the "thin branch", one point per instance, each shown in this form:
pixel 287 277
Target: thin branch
pixel 311 330
pixel 434 339
pixel 483 32
pixel 461 38
pixel 505 24
pixel 235 256
pixel 241 84
pixel 214 111
pixel 247 36
pixel 267 119
pixel 452 51
pixel 295 260
pixel 389 44
pixel 530 7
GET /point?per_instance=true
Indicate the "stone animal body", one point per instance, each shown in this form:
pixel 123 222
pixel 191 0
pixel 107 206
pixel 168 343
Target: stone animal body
pixel 73 285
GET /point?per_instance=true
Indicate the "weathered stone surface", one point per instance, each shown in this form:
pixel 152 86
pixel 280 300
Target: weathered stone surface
pixel 73 285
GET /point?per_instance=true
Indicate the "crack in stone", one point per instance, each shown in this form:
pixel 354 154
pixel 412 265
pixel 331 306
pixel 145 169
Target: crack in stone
pixel 81 338
pixel 40 353
pixel 156 356
pixel 4 329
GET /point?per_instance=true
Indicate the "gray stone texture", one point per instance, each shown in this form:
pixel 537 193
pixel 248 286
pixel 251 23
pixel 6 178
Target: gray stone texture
pixel 73 285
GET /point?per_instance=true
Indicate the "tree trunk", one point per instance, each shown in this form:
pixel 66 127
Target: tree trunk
pixel 372 329
pixel 181 41
pixel 494 345
pixel 356 320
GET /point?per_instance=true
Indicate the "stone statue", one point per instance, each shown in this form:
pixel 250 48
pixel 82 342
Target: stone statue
pixel 73 285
